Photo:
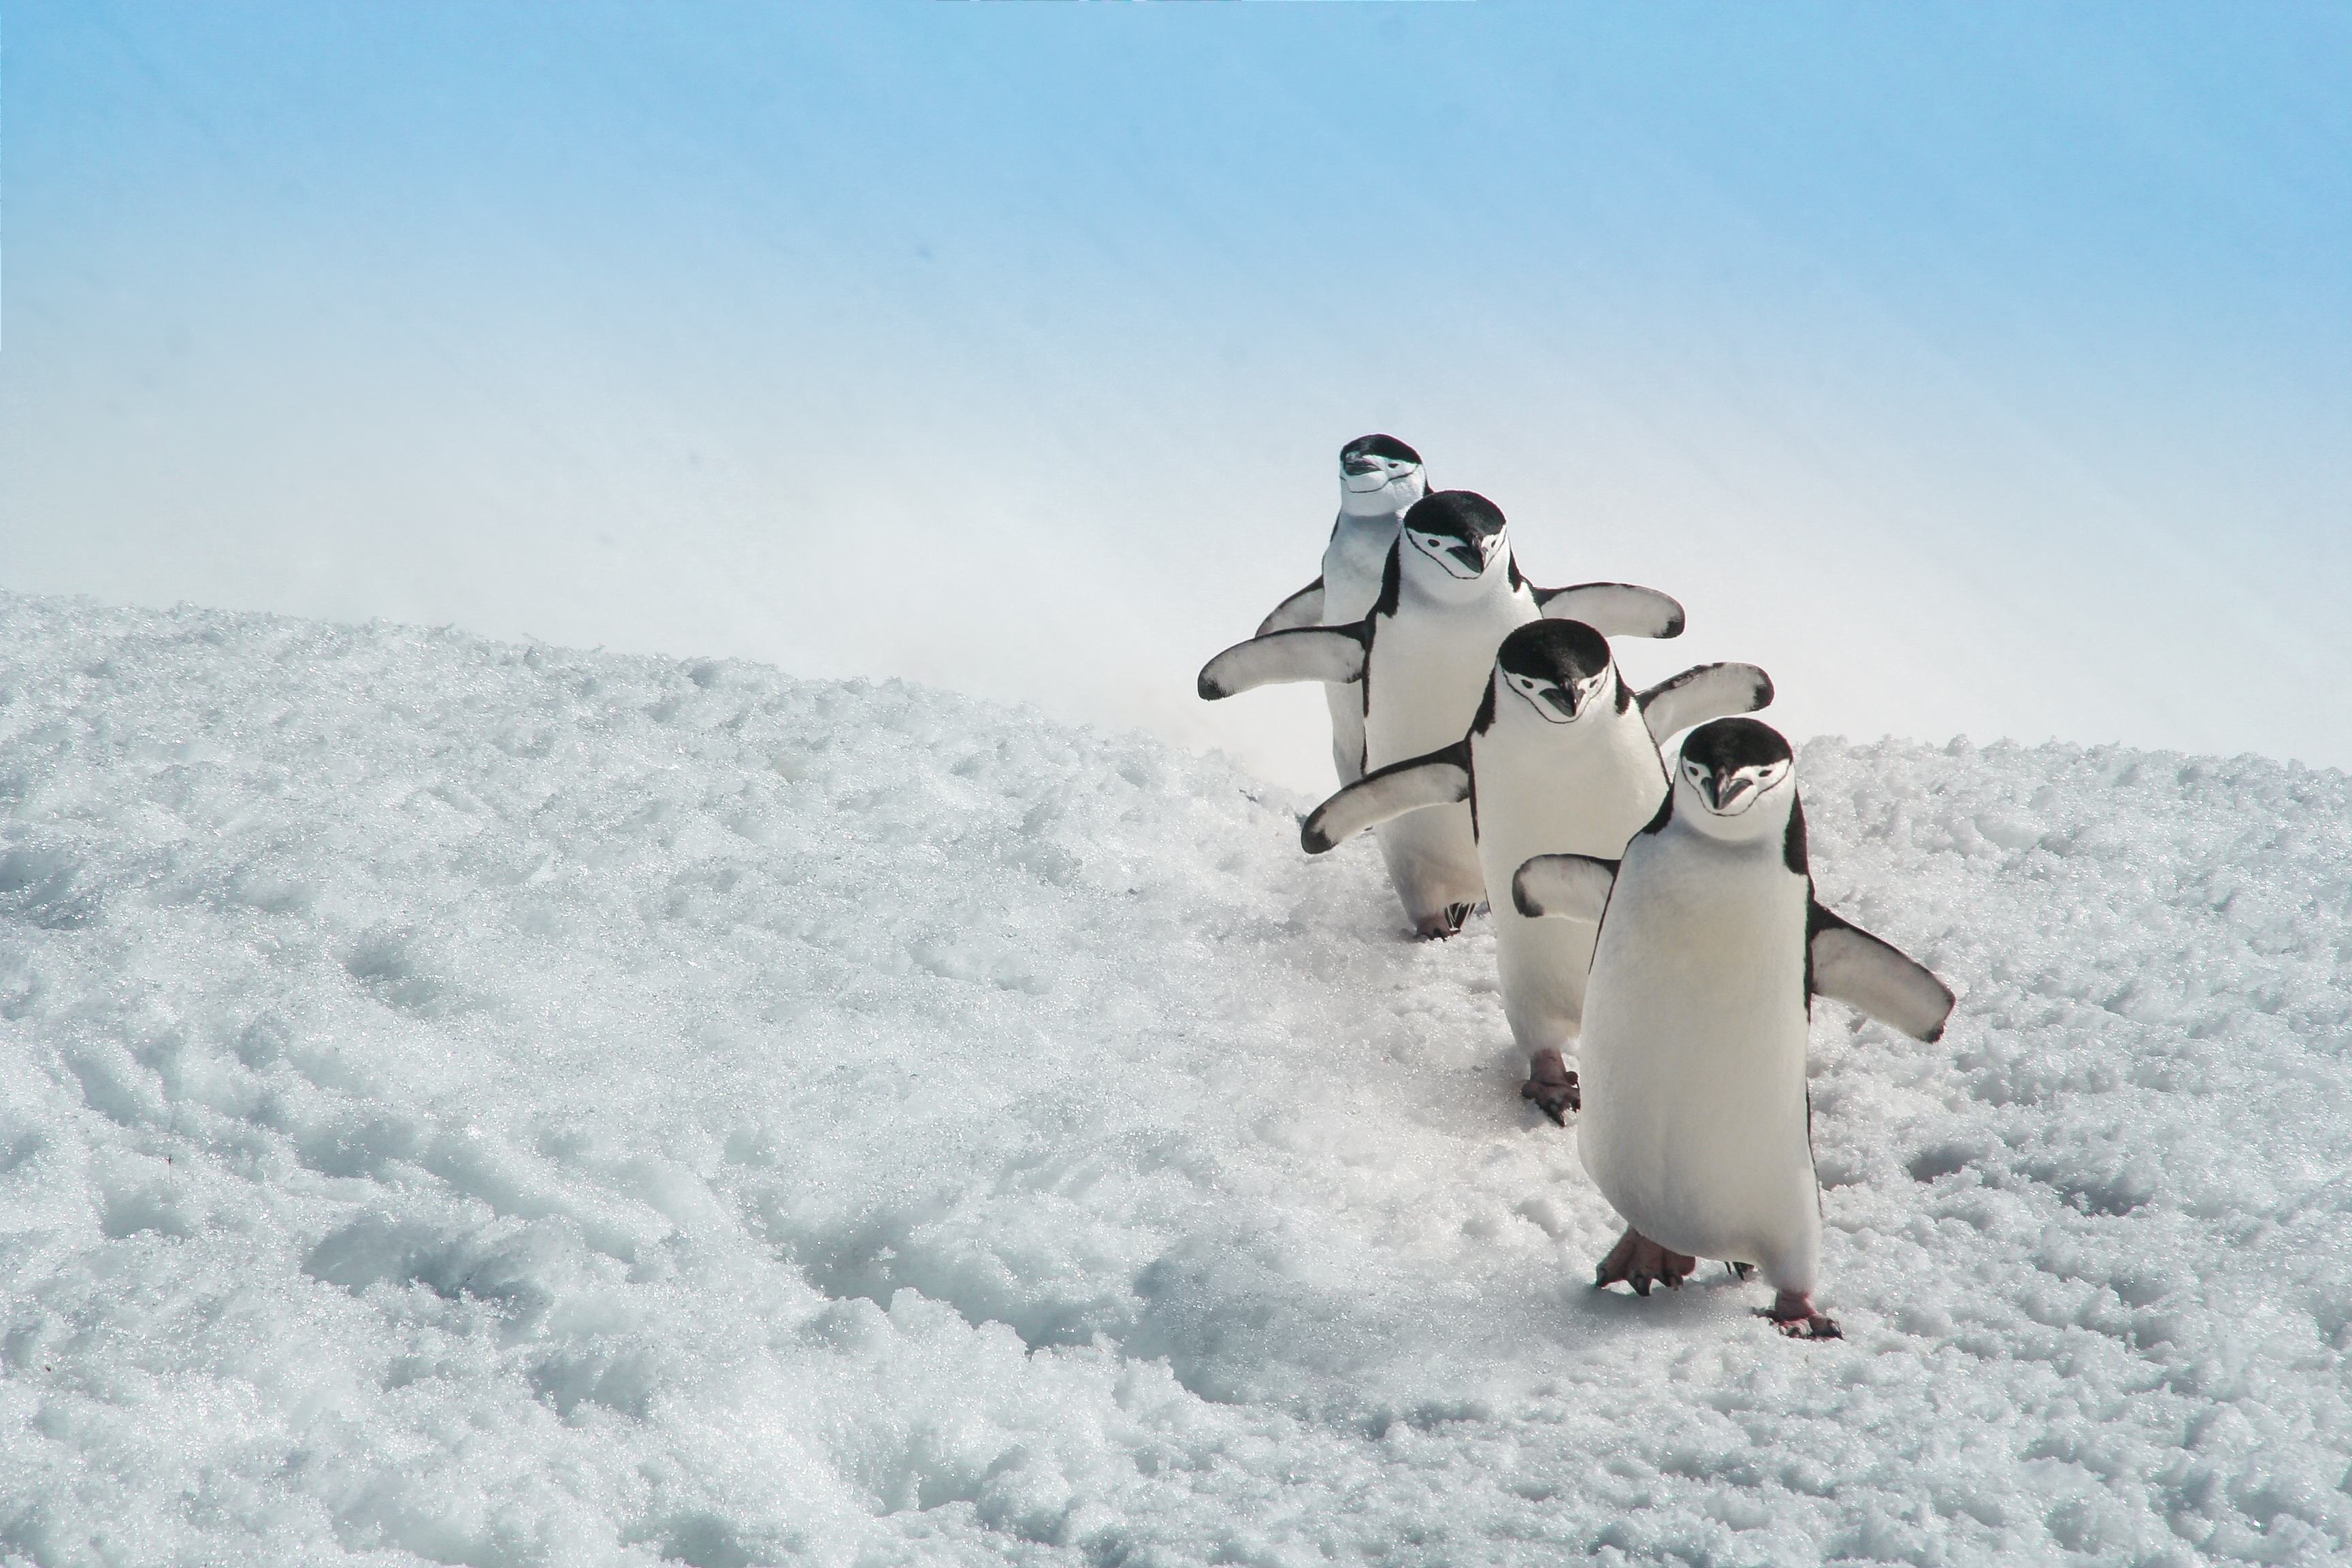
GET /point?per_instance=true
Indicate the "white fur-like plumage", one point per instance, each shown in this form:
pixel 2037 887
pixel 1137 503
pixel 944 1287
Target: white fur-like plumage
pixel 1367 526
pixel 1548 789
pixel 1693 1054
pixel 1427 671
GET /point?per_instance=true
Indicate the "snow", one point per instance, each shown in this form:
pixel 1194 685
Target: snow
pixel 491 1104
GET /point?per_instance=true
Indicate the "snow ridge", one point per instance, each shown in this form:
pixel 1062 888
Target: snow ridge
pixel 470 1103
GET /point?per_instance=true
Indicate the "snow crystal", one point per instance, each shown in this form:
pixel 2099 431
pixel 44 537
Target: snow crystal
pixel 470 1103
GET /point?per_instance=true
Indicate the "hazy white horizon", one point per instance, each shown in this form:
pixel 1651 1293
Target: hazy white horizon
pixel 1973 373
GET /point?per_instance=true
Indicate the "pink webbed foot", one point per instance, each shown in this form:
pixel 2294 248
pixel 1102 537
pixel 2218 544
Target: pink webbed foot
pixel 1551 1086
pixel 1792 1313
pixel 1639 1262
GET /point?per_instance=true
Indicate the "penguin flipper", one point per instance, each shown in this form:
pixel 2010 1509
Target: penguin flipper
pixel 1331 654
pixel 1441 778
pixel 1304 608
pixel 1702 692
pixel 1613 609
pixel 1873 976
pixel 1574 887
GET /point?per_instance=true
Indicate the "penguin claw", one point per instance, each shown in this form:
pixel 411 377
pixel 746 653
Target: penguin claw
pixel 1743 1272
pixel 1551 1086
pixel 1444 923
pixel 1794 1315
pixel 1641 1263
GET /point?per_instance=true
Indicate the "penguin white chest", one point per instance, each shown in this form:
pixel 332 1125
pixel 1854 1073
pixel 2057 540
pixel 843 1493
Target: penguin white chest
pixel 1351 584
pixel 1693 1056
pixel 1351 566
pixel 1428 671
pixel 1543 788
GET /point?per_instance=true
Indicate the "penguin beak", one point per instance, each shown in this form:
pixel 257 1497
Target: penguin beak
pixel 1562 699
pixel 1724 793
pixel 1474 556
pixel 1362 474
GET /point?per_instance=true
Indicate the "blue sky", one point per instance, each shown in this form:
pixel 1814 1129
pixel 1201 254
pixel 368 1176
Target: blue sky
pixel 1982 369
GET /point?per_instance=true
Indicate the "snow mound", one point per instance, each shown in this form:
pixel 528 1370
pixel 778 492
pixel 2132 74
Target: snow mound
pixel 470 1103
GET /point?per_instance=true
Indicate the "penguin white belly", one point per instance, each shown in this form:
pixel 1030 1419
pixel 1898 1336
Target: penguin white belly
pixel 1351 584
pixel 1561 793
pixel 1346 704
pixel 1351 566
pixel 1693 1058
pixel 1426 674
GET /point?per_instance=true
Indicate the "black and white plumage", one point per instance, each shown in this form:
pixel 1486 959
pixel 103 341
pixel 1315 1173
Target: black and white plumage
pixel 1450 593
pixel 1562 757
pixel 1709 950
pixel 1380 479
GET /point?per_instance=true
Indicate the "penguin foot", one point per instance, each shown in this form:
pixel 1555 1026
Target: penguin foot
pixel 1551 1086
pixel 1640 1262
pixel 1441 925
pixel 1743 1272
pixel 1792 1313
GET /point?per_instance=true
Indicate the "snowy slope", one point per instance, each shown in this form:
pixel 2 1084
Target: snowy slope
pixel 482 1104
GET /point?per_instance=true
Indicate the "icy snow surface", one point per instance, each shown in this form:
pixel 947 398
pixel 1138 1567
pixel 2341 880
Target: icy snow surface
pixel 487 1104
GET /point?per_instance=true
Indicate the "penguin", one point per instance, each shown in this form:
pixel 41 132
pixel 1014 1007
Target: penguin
pixel 1380 479
pixel 1450 593
pixel 1562 757
pixel 1697 1123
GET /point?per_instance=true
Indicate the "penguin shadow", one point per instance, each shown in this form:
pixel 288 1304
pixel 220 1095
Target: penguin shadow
pixel 1713 1297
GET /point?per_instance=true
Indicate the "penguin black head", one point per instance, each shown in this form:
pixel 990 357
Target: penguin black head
pixel 1462 530
pixel 1727 766
pixel 1379 476
pixel 1561 667
pixel 1371 454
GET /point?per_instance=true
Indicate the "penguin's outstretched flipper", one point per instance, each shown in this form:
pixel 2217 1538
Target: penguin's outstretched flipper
pixel 1304 608
pixel 1574 887
pixel 1331 654
pixel 1702 692
pixel 1441 778
pixel 1613 609
pixel 1852 966
pixel 1638 1262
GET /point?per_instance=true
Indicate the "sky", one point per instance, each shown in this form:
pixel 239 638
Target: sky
pixel 1979 371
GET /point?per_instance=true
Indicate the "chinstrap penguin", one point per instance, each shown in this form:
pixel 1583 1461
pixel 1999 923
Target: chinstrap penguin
pixel 1696 1124
pixel 1380 479
pixel 1561 757
pixel 1450 593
